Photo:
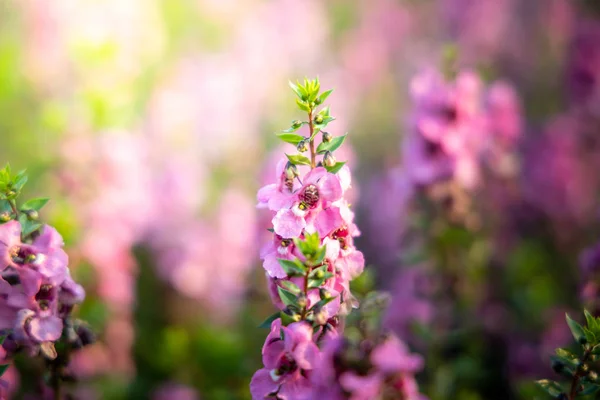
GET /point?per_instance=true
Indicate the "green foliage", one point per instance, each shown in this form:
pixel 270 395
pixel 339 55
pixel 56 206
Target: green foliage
pixel 583 379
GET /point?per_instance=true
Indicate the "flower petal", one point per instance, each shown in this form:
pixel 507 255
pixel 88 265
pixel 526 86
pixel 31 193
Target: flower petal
pixel 288 225
pixel 262 385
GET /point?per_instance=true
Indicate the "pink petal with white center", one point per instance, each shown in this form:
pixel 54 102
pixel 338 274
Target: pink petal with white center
pixel 286 224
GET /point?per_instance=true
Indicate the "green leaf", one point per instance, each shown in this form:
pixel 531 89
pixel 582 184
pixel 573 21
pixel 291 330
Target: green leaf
pixel 296 89
pixel 266 324
pixel 2 339
pixel 28 226
pixel 551 387
pixel 566 354
pixel 291 286
pixel 335 143
pixel 590 336
pixel 298 159
pixel 292 267
pixel 290 138
pixel 35 204
pixel 302 105
pixel 592 323
pixel 589 388
pixel 576 329
pixel 324 123
pixel 288 298
pixel 320 255
pixel 19 181
pixel 324 96
pixel 3 368
pixel 321 303
pixel 336 167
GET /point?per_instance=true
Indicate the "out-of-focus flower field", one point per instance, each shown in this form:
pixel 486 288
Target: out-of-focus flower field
pixel 473 139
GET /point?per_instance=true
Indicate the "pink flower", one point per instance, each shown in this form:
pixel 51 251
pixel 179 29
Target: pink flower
pixel 289 354
pixel 42 260
pixel 278 248
pixel 319 190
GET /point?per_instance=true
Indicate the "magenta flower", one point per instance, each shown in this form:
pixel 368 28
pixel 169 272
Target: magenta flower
pixel 289 354
pixel 40 323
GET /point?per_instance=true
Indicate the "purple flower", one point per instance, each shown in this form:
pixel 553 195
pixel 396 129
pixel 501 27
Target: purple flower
pixel 289 355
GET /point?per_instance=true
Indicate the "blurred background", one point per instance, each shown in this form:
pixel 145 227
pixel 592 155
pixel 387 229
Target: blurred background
pixel 150 124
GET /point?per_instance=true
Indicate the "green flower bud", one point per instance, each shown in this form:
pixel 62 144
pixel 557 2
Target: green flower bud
pixel 321 317
pixel 302 301
pixel 291 171
pixel 328 159
pixel 32 214
pixel 5 217
pixel 296 124
pixel 593 376
pixel 319 119
pixel 324 294
pixel 327 137
pixel 302 146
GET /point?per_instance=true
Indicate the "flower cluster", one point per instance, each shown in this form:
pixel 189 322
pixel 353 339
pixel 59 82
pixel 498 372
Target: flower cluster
pixel 37 292
pixel 454 123
pixel 309 264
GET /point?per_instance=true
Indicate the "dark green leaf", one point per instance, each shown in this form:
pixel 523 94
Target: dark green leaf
pixel 576 329
pixel 335 143
pixel 287 297
pixel 298 159
pixel 28 226
pixel 321 303
pixel 35 204
pixel 292 267
pixel 566 354
pixel 589 388
pixel 336 168
pixel 3 368
pixel 266 324
pixel 291 286
pixel 320 255
pixel 551 387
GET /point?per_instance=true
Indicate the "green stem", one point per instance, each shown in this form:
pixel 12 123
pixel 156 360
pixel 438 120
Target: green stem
pixel 13 205
pixel 311 141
